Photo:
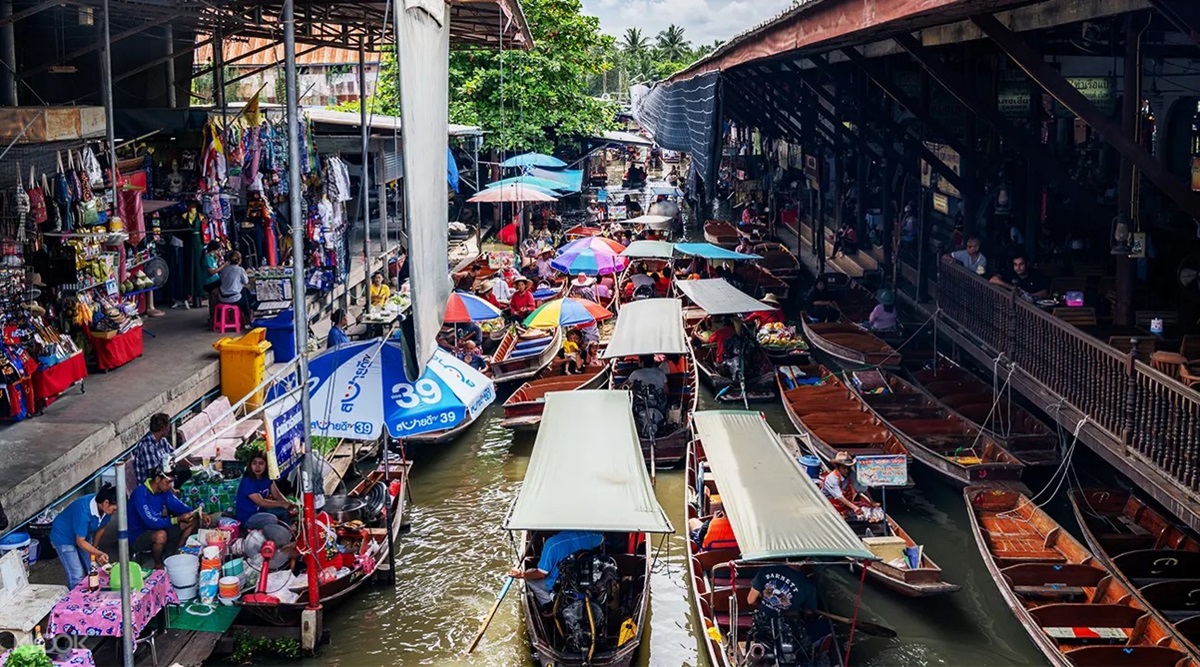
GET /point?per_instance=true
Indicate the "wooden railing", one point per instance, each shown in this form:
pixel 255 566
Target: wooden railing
pixel 1141 408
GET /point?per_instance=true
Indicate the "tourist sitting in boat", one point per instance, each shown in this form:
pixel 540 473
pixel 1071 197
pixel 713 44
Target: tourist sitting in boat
pixel 662 281
pixel 632 208
pixel 838 487
pixel 820 304
pixel 712 533
pixel 749 217
pixel 1031 283
pixel 783 597
pixel 156 514
pixel 758 318
pixel 635 177
pixel 522 302
pixel 717 333
pixel 498 292
pixel 258 494
pixel 542 265
pixel 581 288
pixel 883 316
pixel 673 364
pixel 570 354
pixel 641 285
pixel 541 579
pixel 468 352
pixel 77 530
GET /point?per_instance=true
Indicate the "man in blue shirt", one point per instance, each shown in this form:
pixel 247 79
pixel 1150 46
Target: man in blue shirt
pixel 541 579
pixel 77 530
pixel 155 511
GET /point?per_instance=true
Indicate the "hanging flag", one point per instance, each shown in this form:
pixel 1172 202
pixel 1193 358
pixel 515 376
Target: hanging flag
pixel 253 117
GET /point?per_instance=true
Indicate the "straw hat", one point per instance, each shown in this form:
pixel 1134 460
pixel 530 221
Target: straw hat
pixel 521 279
pixel 844 459
pixel 771 299
pixel 484 285
pixel 582 280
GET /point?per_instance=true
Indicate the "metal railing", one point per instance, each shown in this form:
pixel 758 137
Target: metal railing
pixel 1149 412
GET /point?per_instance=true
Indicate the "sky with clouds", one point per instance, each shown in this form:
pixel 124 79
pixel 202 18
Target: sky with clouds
pixel 703 20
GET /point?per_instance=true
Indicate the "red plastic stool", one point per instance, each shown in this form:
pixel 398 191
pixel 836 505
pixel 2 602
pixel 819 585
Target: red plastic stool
pixel 227 317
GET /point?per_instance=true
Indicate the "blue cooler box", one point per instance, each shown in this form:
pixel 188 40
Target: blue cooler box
pixel 281 334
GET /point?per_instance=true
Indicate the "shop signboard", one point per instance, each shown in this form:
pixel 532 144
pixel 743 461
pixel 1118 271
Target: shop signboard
pixel 881 471
pixel 284 423
pixel 616 212
pixel 1196 174
pixel 951 159
pixel 1013 96
pixel 941 203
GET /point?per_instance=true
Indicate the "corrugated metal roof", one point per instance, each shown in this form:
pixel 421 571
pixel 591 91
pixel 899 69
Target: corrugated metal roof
pixel 267 52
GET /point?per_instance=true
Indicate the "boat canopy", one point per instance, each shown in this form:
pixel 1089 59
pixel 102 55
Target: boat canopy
pixel 664 189
pixel 710 251
pixel 649 250
pixel 775 509
pixel 715 296
pixel 533 181
pixel 587 471
pixel 649 326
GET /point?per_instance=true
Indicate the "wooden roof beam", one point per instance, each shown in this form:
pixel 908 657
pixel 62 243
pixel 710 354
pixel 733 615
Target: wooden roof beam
pixel 1058 87
pixel 1183 14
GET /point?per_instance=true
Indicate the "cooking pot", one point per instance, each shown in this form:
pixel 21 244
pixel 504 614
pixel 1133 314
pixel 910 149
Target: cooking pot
pixel 344 508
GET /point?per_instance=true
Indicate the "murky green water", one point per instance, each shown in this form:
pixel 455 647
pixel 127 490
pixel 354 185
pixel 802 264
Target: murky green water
pixel 453 562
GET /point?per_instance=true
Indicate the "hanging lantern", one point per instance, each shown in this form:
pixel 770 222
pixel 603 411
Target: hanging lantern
pixel 1122 234
pixel 87 16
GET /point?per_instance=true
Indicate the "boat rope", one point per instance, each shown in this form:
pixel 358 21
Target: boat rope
pixel 862 578
pixel 997 395
pixel 655 562
pixel 1056 478
pixel 905 342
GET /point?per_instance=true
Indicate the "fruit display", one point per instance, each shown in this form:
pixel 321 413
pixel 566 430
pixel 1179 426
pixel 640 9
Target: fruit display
pixel 402 300
pixel 778 336
pixel 136 282
pixel 493 325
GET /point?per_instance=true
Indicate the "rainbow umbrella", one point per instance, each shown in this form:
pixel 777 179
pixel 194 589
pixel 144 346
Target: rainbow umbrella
pixel 591 261
pixel 463 307
pixel 566 312
pixel 599 243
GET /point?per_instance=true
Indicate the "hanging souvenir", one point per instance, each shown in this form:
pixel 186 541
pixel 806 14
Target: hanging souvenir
pixel 129 209
pixel 53 212
pixel 22 201
pixel 85 182
pixel 62 197
pixel 37 201
pixel 91 166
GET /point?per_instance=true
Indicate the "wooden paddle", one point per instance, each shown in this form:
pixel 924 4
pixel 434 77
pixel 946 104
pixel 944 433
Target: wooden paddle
pixel 872 629
pixel 491 614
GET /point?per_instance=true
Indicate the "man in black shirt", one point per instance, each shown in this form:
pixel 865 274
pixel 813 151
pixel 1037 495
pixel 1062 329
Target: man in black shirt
pixel 1024 278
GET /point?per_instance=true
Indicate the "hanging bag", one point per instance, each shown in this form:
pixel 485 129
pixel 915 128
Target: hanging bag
pixel 129 209
pixel 62 197
pixel 22 202
pixel 37 200
pixel 53 213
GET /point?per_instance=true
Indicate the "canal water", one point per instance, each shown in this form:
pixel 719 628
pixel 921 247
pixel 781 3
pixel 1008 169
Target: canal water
pixel 454 560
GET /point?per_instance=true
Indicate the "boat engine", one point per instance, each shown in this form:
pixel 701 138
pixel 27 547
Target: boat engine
pixel 649 405
pixel 586 582
pixel 777 642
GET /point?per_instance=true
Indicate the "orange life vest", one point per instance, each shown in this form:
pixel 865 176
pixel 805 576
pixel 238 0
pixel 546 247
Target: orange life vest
pixel 719 535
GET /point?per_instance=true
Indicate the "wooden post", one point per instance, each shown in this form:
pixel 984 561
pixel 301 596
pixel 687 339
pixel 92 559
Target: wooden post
pixel 1128 175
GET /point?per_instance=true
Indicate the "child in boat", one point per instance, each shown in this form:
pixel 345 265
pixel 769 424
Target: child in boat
pixel 838 487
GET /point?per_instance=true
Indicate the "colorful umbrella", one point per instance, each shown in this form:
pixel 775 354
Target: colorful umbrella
pixel 597 243
pixel 463 307
pixel 590 261
pixel 566 312
pixel 533 160
pixel 513 192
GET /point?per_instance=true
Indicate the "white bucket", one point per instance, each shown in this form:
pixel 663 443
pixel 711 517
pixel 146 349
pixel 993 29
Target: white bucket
pixel 22 546
pixel 187 593
pixel 211 553
pixel 183 570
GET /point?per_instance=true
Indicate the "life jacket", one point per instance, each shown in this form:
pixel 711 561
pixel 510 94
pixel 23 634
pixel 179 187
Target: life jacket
pixel 719 536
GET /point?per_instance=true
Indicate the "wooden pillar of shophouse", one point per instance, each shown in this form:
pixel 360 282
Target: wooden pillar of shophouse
pixel 1131 93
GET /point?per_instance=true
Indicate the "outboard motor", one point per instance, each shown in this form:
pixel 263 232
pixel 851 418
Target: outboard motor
pixel 587 580
pixel 643 292
pixel 649 408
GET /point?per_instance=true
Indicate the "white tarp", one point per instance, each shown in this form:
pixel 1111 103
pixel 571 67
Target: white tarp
pixel 649 326
pixel 774 507
pixel 717 297
pixel 649 250
pixel 586 471
pixel 423 29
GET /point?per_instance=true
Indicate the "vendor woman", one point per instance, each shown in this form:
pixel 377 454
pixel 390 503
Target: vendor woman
pixel 257 493
pixel 77 530
pixel 380 292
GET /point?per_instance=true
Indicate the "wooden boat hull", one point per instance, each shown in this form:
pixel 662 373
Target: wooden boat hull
pixel 1055 587
pixel 511 363
pixel 721 233
pixel 523 409
pixel 777 259
pixel 337 592
pixel 923 581
pixel 850 343
pixel 540 636
pixel 442 437
pixel 758 390
pixel 970 398
pixel 757 281
pixel 937 438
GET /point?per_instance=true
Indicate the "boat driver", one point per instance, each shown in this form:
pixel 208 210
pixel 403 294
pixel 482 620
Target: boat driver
pixel 649 375
pixel 540 580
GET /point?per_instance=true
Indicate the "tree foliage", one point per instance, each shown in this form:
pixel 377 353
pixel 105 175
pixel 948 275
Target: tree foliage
pixel 526 100
pixel 638 61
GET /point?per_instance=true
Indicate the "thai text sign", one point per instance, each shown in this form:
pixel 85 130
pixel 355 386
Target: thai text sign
pixel 882 471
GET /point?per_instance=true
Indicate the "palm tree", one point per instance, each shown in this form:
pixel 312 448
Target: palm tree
pixel 634 43
pixel 672 46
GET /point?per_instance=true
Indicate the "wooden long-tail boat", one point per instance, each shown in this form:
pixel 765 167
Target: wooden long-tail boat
pixel 963 393
pixel 380 535
pixel 758 281
pixel 1148 553
pixel 646 328
pixel 819 403
pixel 738 378
pixel 850 342
pixel 925 580
pixel 758 386
pixel 737 464
pixel 722 233
pixel 941 440
pixel 1075 610
pixel 593 480
pixel 523 409
pixel 777 259
pixel 520 358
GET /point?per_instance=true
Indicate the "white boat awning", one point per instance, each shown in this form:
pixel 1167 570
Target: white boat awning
pixel 715 296
pixel 649 250
pixel 649 326
pixel 587 471
pixel 775 509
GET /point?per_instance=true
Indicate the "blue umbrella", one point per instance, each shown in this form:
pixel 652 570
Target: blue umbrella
pixel 533 160
pixel 533 181
pixel 358 389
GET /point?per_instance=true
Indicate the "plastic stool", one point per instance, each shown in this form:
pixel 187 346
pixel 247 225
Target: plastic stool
pixel 226 318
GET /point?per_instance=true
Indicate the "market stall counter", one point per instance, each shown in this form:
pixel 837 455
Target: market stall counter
pixel 98 614
pixel 114 350
pixel 49 382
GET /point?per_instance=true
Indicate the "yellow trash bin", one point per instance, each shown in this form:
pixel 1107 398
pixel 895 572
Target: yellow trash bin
pixel 244 366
